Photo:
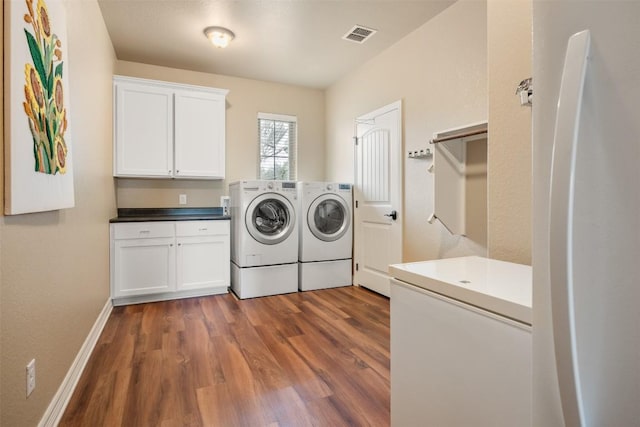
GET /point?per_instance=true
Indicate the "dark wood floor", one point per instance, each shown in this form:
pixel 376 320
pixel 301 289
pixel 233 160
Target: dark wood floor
pixel 316 358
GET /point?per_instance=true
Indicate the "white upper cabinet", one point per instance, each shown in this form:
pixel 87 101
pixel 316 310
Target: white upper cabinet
pixel 199 134
pixel 166 130
pixel 143 130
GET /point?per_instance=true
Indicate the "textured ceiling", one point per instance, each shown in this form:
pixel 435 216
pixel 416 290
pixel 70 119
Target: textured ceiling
pixel 295 42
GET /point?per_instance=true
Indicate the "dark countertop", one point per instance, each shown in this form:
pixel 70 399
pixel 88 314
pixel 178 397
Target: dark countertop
pixel 168 214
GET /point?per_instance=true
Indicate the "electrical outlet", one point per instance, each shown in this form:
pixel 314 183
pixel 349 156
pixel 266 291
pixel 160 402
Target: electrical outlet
pixel 31 376
pixel 182 199
pixel 224 202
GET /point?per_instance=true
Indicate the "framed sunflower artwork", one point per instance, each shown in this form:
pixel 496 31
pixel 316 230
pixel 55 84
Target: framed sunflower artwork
pixel 38 161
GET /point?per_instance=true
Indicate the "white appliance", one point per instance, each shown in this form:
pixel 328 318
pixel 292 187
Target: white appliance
pixel 586 201
pixel 460 343
pixel 326 237
pixel 264 238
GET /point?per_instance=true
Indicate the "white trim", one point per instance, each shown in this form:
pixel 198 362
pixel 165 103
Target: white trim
pixel 169 85
pixel 166 296
pixel 59 403
pixel 279 117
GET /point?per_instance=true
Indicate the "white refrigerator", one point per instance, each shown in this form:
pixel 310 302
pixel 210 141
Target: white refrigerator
pixel 586 222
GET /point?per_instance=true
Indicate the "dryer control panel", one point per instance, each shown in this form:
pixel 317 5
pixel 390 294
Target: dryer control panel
pixel 287 185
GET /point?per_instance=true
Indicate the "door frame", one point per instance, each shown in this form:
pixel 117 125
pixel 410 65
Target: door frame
pixel 399 185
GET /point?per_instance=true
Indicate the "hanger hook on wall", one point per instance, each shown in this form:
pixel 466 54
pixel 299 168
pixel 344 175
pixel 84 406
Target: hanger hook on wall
pixel 525 91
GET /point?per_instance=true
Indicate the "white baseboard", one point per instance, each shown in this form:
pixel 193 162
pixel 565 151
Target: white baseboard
pixel 59 403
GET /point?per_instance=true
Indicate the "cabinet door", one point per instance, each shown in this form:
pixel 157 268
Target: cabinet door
pixel 144 266
pixel 203 262
pixel 199 135
pixel 143 130
pixel 456 365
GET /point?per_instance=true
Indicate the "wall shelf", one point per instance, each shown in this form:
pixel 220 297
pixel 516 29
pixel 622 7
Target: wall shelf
pixel 472 132
pixel 460 171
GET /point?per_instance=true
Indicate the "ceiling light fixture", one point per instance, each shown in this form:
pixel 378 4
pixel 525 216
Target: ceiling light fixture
pixel 219 36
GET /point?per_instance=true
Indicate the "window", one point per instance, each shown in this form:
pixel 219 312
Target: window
pixel 277 134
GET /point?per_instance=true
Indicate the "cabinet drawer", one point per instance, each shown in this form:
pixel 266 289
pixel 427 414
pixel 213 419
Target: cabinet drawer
pixel 201 228
pixel 143 230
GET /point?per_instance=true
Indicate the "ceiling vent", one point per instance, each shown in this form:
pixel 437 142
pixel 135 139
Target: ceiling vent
pixel 359 34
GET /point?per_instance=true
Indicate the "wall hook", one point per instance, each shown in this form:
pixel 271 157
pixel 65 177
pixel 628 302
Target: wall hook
pixel 525 91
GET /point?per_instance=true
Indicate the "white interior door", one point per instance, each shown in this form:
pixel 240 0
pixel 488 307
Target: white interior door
pixel 378 197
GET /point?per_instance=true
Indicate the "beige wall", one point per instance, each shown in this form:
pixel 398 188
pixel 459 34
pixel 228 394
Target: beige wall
pixel 440 73
pixel 54 266
pixel 461 67
pixel 509 52
pixel 245 99
pixel 476 191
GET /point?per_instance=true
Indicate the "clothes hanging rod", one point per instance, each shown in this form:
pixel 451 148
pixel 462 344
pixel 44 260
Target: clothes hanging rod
pixel 458 136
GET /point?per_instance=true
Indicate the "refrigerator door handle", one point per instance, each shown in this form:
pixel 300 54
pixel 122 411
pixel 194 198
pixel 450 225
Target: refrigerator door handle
pixel 561 226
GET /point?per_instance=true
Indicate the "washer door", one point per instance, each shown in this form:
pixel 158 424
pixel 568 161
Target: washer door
pixel 328 217
pixel 270 218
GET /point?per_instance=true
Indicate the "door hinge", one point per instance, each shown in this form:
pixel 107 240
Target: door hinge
pixel 355 140
pixel 357 266
pixel 356 204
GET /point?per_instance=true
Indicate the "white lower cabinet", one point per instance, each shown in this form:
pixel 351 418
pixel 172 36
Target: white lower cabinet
pixel 133 259
pixel 203 254
pixel 153 261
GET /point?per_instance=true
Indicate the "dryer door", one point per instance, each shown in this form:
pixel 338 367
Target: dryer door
pixel 329 217
pixel 270 218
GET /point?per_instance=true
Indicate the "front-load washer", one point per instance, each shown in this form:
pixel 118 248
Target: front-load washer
pixel 264 238
pixel 326 237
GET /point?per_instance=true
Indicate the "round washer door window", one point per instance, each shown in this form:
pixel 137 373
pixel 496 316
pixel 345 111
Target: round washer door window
pixel 328 217
pixel 270 218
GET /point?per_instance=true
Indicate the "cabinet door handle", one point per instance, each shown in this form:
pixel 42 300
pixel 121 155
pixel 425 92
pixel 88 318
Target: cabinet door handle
pixel 202 229
pixel 145 231
pixel 179 244
pixel 171 245
pixel 169 173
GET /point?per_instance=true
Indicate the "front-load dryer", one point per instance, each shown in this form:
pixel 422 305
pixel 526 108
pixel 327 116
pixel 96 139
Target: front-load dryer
pixel 326 237
pixel 264 237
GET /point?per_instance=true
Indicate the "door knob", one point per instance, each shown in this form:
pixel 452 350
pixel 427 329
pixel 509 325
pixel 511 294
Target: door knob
pixel 393 215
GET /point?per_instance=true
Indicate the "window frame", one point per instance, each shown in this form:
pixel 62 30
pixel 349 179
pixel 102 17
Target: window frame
pixel 293 145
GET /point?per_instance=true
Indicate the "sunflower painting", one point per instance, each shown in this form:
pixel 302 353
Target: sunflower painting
pixel 44 92
pixel 37 143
